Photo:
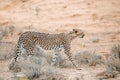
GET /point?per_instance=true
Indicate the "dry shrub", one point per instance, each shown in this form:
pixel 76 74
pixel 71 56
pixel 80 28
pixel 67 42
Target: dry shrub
pixel 60 59
pixel 4 31
pixel 28 65
pixel 55 58
pixel 43 64
pixel 116 51
pixel 14 66
pixel 113 62
pixel 32 66
pixel 114 58
pixel 87 57
pixel 96 39
pixel 40 64
pixel 5 56
pixel 6 50
pixel 35 67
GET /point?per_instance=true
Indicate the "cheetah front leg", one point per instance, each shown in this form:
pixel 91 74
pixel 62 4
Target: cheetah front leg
pixel 68 53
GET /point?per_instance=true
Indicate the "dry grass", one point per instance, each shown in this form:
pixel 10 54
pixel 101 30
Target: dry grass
pixel 39 69
pixel 32 66
pixel 88 57
pixel 6 55
pixel 4 31
pixel 54 58
pixel 114 58
pixel 96 39
pixel 113 63
pixel 40 64
pixel 46 65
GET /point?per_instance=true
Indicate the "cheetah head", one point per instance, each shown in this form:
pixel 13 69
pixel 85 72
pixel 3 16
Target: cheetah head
pixel 78 33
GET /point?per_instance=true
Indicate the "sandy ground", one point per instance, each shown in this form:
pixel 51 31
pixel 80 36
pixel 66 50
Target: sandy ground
pixel 99 19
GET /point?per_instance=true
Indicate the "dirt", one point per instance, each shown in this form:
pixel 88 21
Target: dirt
pixel 100 21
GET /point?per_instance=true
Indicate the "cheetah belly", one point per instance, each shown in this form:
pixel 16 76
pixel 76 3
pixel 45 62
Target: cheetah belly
pixel 49 48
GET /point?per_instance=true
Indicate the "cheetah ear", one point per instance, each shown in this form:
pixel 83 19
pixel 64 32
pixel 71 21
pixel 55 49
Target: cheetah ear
pixel 75 30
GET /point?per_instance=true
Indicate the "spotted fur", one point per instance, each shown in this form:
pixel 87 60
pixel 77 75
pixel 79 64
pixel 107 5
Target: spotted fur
pixel 29 40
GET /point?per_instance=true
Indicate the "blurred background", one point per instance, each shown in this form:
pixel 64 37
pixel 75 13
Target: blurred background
pixel 99 19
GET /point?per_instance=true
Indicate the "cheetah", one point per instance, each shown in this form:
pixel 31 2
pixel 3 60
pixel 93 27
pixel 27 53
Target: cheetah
pixel 28 40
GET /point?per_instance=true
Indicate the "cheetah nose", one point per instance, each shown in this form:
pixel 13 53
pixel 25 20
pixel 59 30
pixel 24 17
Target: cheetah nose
pixel 83 35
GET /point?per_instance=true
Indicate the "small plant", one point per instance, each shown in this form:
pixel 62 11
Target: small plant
pixel 113 62
pixel 39 66
pixel 86 57
pixel 37 10
pixel 14 66
pixel 4 31
pixel 114 58
pixel 116 51
pixel 54 58
pixel 96 39
pixel 6 55
pixel 31 66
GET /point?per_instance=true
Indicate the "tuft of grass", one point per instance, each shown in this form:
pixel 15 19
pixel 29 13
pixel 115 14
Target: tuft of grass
pixel 7 30
pixel 116 51
pixel 54 58
pixel 37 10
pixel 41 65
pixel 114 58
pixel 38 68
pixel 4 31
pixel 6 55
pixel 60 59
pixel 113 62
pixel 31 66
pixel 96 39
pixel 87 57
